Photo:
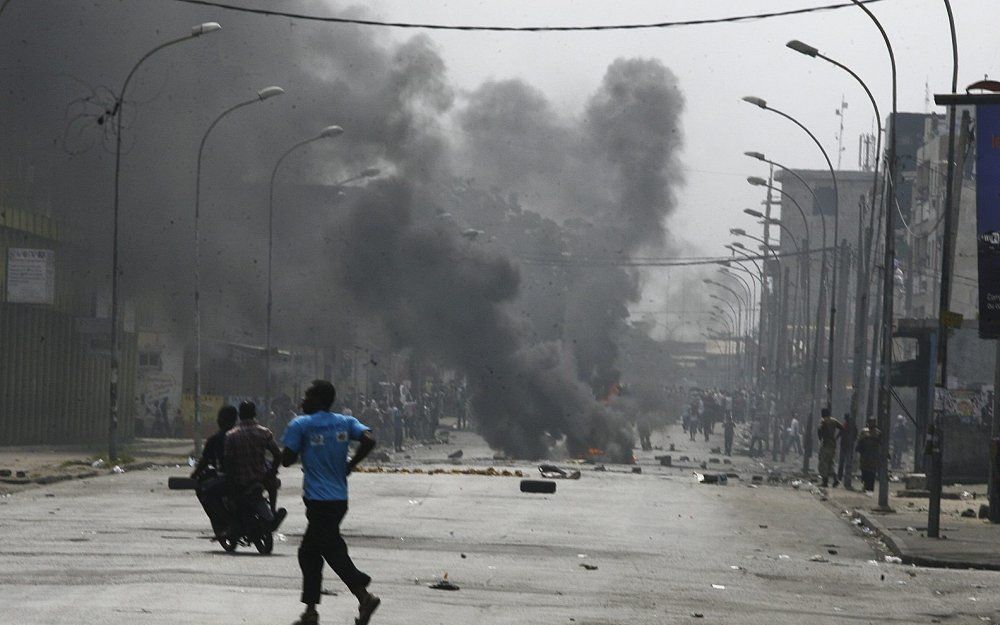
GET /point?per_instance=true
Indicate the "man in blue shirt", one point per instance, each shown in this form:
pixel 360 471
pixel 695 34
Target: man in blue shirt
pixel 321 439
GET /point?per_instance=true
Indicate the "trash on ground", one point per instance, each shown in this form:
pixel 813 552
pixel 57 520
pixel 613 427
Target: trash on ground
pixel 455 455
pixel 893 559
pixel 968 513
pixel 712 478
pixel 818 558
pixel 636 469
pixel 444 584
pixel 589 567
pixel 718 586
pixel 117 469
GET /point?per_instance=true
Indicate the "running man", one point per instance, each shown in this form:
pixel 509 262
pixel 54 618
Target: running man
pixel 321 438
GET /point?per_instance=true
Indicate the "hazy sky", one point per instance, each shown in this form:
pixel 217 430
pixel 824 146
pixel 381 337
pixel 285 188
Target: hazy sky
pixel 717 65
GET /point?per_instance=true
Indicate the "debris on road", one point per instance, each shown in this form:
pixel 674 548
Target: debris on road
pixel 552 472
pixel 818 558
pixel 589 567
pixel 444 584
pixel 712 478
pixel 538 486
pixel 718 586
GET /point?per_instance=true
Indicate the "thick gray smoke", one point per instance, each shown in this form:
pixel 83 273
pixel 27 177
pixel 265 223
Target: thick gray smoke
pixel 439 295
pixel 379 262
pixel 608 176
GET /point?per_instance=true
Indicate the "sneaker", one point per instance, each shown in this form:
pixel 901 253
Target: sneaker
pixel 366 608
pixel 308 618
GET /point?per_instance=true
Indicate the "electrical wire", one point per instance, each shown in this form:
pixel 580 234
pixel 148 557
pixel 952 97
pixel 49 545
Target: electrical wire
pixel 680 261
pixel 469 27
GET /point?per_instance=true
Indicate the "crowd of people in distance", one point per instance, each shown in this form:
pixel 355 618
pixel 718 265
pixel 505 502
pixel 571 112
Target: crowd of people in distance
pixel 766 430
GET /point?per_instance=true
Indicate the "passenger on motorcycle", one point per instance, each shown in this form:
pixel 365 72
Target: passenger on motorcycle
pixel 245 458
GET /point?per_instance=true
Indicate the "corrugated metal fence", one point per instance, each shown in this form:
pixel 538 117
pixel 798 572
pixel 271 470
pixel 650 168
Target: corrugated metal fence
pixel 53 383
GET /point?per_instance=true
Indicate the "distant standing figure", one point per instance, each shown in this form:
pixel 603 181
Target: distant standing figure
pixel 868 448
pixel 828 429
pixel 794 436
pixel 900 439
pixel 728 430
pixel 848 435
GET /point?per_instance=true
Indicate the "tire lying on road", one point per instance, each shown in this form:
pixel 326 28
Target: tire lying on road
pixel 538 486
pixel 181 483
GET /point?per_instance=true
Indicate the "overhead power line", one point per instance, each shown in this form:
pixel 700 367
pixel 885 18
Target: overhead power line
pixel 522 29
pixel 679 261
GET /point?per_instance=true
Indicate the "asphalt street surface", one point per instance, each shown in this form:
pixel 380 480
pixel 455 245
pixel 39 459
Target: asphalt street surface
pixel 122 549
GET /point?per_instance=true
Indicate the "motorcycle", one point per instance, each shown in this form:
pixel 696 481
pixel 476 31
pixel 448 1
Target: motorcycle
pixel 246 514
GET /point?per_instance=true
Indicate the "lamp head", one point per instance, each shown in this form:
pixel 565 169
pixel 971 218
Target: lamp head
pixel 739 232
pixel 204 29
pixel 757 181
pixel 269 92
pixel 331 132
pixel 739 245
pixel 762 103
pixel 753 213
pixel 756 155
pixel 802 48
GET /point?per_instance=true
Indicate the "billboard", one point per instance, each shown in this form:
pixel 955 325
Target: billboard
pixel 31 276
pixel 988 217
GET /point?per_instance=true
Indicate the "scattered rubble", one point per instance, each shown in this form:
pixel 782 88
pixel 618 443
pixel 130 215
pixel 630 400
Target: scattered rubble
pixel 552 472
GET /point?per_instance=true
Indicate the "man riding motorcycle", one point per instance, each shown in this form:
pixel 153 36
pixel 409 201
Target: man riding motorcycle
pixel 211 489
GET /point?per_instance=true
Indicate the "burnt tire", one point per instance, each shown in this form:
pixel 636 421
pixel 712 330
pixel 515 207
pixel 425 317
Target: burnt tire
pixel 538 486
pixel 182 483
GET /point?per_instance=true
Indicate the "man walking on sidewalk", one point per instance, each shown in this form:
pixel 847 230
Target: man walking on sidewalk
pixel 322 438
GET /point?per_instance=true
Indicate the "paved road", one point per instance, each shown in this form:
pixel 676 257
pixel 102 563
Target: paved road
pixel 123 550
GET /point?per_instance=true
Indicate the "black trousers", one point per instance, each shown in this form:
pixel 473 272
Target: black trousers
pixel 868 478
pixel 322 541
pixel 211 493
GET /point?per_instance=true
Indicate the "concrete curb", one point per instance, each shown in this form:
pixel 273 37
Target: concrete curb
pixel 899 548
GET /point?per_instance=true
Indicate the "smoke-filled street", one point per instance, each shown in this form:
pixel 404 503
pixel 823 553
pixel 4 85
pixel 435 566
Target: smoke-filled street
pixel 122 549
pixel 576 311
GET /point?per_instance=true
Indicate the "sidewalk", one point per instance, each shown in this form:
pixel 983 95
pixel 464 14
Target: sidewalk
pixel 26 467
pixel 967 543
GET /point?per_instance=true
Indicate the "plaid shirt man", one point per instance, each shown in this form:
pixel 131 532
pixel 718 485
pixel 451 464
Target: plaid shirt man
pixel 245 447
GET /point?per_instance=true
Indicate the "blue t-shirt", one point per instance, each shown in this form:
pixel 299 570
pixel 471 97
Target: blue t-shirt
pixel 321 440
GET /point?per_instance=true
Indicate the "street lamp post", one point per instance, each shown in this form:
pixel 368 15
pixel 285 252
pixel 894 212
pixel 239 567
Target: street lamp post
pixel 329 132
pixel 820 309
pixel 888 269
pixel 263 94
pixel 197 31
pixel 836 234
pixel 747 295
pixel 861 302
